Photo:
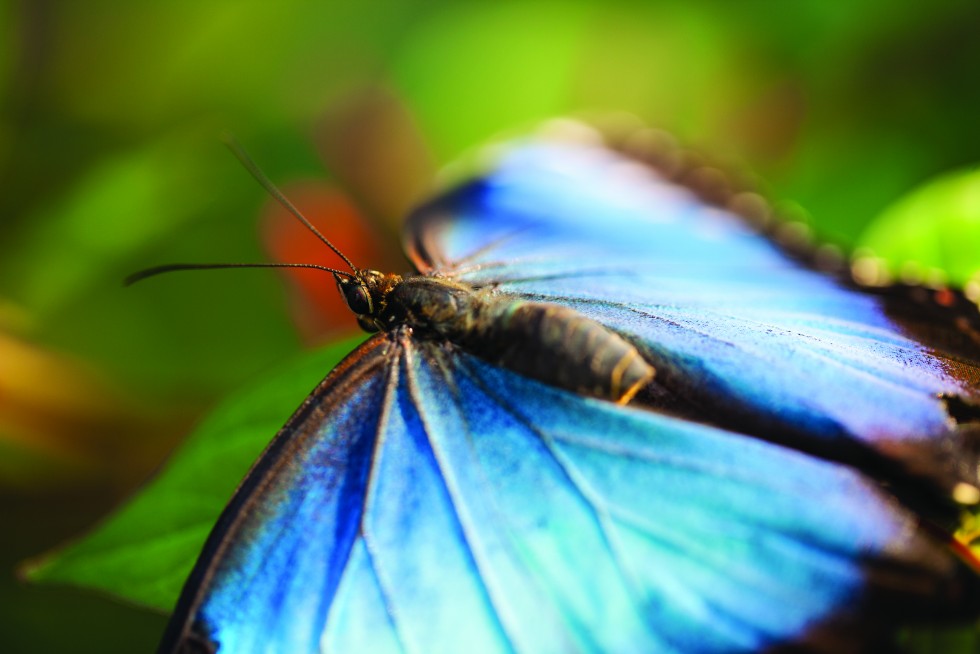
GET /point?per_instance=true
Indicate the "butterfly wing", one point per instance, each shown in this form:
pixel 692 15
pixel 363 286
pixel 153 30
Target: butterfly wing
pixel 306 488
pixel 424 501
pixel 747 334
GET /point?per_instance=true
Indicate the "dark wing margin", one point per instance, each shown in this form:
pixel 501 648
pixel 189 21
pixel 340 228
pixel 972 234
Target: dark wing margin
pixel 354 385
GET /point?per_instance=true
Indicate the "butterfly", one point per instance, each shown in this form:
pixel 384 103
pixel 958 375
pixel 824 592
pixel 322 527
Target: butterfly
pixel 605 415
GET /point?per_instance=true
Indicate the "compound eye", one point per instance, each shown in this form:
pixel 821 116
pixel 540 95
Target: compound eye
pixel 358 298
pixel 367 324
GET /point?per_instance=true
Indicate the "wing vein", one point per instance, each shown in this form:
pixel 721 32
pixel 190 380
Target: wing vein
pixel 455 498
pixel 599 514
pixel 391 385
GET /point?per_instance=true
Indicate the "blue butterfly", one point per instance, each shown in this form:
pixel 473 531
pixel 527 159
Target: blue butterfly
pixel 604 415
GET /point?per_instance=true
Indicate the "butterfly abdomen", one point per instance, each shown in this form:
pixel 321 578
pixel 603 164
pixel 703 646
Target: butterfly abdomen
pixel 560 346
pixel 551 343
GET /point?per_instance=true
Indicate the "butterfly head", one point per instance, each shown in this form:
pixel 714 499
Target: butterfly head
pixel 366 294
pixel 365 291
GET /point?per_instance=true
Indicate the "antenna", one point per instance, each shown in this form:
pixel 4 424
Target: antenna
pixel 171 267
pixel 240 153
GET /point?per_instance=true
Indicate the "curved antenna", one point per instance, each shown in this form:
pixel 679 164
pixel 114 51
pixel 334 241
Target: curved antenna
pixel 159 270
pixel 240 153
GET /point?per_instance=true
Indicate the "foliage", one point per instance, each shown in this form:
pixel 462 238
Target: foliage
pixel 932 233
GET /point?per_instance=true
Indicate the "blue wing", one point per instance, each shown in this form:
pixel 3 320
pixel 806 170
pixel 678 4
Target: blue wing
pixel 425 501
pixel 750 336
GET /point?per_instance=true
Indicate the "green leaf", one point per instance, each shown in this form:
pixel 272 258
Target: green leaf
pixel 121 206
pixel 144 552
pixel 179 198
pixel 932 233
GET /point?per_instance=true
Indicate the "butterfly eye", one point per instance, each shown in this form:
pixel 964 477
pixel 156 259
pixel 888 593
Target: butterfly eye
pixel 367 324
pixel 358 298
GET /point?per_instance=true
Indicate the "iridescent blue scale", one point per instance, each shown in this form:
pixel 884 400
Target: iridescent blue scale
pixel 428 500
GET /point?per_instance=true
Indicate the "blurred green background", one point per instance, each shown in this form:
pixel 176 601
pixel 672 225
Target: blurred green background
pixel 110 162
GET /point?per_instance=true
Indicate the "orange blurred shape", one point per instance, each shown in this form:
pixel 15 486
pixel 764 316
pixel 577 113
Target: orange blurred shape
pixel 945 297
pixel 316 306
pixel 64 423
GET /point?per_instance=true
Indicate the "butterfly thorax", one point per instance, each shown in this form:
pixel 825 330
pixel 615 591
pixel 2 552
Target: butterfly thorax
pixel 548 342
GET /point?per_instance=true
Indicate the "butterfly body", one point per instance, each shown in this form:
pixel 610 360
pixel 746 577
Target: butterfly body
pixel 553 344
pixel 462 481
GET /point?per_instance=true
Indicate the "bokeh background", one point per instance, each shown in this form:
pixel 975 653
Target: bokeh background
pixel 110 161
